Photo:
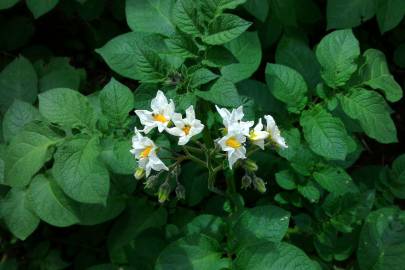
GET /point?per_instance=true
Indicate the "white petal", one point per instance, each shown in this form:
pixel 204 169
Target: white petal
pixel 159 101
pixel 190 113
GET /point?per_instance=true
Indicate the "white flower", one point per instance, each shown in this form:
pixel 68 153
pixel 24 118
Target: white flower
pixel 274 133
pixel 233 121
pixel 233 144
pixel 187 127
pixel 160 116
pixel 258 135
pixel 144 150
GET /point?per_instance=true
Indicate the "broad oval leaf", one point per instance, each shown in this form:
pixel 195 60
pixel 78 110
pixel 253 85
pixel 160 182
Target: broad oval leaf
pixel 335 180
pixel 40 7
pixel 223 92
pixel 349 13
pixel 389 13
pixel 337 53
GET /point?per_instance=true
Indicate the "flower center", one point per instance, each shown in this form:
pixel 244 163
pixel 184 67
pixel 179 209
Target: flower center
pixel 160 118
pixel 146 152
pixel 186 129
pixel 233 142
pixel 252 135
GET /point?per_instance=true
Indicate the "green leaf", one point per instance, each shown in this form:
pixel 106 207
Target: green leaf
pixel 213 8
pixel 50 203
pixel 286 180
pixel 224 29
pixel 185 16
pixel 66 107
pixel 246 48
pixel 209 225
pixel 135 55
pixel 284 11
pixel 116 102
pixel 18 80
pixel 137 217
pixel 262 223
pixel 79 172
pixel 58 73
pixel 337 53
pixel 389 13
pixel 382 240
pixel 295 53
pixel 370 109
pixel 258 8
pixel 335 180
pixel 182 45
pixel 222 92
pixel 325 134
pixel 117 157
pixel 192 252
pixel 349 13
pixel 287 85
pixel 150 16
pixel 310 192
pixel 40 7
pixel 17 214
pixel 218 56
pixel 17 116
pixel 201 76
pixel 375 73
pixel 273 256
pixel 27 153
pixel 194 179
pixel 4 4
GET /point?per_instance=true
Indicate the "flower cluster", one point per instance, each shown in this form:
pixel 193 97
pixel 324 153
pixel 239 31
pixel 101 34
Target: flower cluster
pixel 237 132
pixel 163 117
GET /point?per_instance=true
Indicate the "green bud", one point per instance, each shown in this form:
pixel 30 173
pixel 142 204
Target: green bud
pixel 259 184
pixel 151 182
pixel 164 192
pixel 180 192
pixel 139 173
pixel 250 165
pixel 246 181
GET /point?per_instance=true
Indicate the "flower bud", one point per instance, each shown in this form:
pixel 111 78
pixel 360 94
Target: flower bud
pixel 151 182
pixel 250 165
pixel 180 192
pixel 246 181
pixel 139 173
pixel 259 184
pixel 164 192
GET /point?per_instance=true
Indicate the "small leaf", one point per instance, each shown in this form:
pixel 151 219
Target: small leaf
pixel 40 7
pixel 389 13
pixel 335 180
pixel 218 56
pixel 222 92
pixel 225 28
pixel 208 225
pixel 201 76
pixel 185 16
pixel 182 45
pixel 79 172
pixel 5 4
pixel 258 8
pixel 326 135
pixel 349 13
pixel 17 214
pixel 337 53
pixel 286 180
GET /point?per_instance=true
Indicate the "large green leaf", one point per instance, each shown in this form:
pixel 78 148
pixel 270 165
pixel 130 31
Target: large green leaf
pixel 201 76
pixel 273 256
pixel 223 92
pixel 151 16
pixel 389 13
pixel 115 154
pixel 262 223
pixel 50 203
pixel 224 29
pixel 370 109
pixel 40 7
pixel 209 225
pixel 375 73
pixel 4 4
pixel 185 16
pixel 198 252
pixel 337 53
pixel 325 133
pixel 382 240
pixel 258 8
pixel 66 107
pixel 18 80
pixel 287 85
pixel 182 45
pixel 79 171
pixel 27 153
pixel 17 116
pixel 135 56
pixel 335 180
pixel 116 102
pixel 213 8
pixel 349 13
pixel 17 214
pixel 246 48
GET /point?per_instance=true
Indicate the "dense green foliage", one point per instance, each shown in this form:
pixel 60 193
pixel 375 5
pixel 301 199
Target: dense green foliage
pixel 72 72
